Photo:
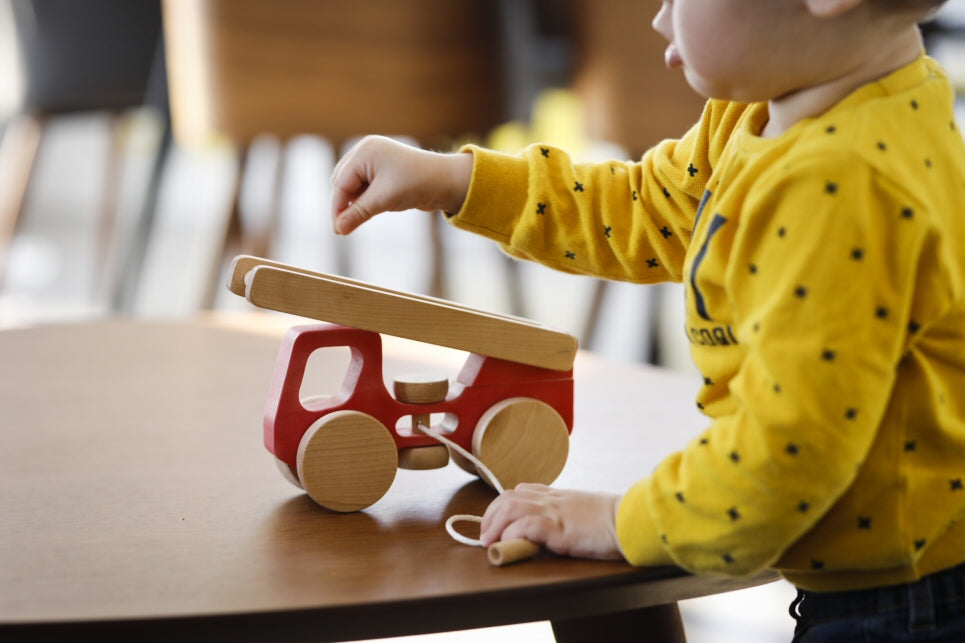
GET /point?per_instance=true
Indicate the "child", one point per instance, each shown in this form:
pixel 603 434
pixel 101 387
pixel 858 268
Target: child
pixel 816 215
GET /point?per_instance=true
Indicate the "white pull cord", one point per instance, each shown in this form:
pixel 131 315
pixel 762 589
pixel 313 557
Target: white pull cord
pixel 484 471
pixel 503 552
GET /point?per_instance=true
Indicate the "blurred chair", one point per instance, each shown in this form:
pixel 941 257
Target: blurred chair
pixel 631 98
pixel 78 58
pixel 290 83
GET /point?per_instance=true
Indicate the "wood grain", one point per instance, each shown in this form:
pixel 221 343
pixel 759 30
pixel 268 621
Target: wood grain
pixel 333 299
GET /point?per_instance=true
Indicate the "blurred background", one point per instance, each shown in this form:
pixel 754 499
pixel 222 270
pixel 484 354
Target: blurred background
pixel 143 143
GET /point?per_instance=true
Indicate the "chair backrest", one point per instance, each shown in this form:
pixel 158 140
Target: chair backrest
pixel 428 69
pixel 91 55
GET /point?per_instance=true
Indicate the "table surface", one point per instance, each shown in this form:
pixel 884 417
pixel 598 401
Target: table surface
pixel 138 498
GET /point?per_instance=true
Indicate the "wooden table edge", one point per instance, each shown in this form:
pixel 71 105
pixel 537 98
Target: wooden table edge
pixel 588 598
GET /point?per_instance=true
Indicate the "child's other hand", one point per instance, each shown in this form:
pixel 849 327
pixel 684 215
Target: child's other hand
pixel 382 175
pixel 569 523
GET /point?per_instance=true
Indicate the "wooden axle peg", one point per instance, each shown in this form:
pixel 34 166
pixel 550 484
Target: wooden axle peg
pixel 423 458
pixel 511 551
pixel 421 389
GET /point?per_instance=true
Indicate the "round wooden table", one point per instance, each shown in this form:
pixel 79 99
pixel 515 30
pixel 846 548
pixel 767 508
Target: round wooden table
pixel 137 499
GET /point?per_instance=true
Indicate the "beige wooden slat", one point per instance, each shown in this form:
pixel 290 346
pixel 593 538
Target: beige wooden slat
pixel 341 301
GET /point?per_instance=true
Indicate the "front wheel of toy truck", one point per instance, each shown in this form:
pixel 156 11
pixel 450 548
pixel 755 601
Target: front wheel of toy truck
pixel 521 440
pixel 347 460
pixel 289 472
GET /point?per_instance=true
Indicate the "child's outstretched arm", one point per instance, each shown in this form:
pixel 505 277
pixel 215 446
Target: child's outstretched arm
pixel 570 523
pixel 382 175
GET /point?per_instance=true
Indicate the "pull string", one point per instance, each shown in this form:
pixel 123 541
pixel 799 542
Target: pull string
pixel 484 471
pixel 503 552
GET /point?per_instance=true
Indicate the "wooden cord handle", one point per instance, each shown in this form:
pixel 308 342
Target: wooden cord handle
pixel 511 551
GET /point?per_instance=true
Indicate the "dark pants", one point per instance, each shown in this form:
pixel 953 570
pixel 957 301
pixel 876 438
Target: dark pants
pixel 930 609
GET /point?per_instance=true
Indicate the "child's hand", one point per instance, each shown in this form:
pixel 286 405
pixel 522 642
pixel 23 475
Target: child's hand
pixel 570 523
pixel 381 175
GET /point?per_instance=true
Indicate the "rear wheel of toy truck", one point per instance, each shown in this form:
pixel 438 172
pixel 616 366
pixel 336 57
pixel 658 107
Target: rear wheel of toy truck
pixel 521 440
pixel 347 460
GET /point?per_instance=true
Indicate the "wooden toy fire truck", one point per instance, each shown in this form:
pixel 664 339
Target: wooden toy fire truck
pixel 511 405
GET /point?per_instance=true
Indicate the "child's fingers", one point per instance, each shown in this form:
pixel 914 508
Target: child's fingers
pixel 351 178
pixel 507 509
pixel 352 217
pixel 536 528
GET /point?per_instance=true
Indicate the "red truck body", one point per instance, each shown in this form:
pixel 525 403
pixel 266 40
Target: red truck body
pixel 482 382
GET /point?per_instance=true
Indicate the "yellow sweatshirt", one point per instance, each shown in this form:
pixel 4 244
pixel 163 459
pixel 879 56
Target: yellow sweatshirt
pixel 825 280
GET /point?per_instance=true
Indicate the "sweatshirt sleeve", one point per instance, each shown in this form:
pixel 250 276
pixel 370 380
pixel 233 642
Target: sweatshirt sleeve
pixel 821 281
pixel 629 221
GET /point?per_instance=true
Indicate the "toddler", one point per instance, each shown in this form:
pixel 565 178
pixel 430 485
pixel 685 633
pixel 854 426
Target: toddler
pixel 816 217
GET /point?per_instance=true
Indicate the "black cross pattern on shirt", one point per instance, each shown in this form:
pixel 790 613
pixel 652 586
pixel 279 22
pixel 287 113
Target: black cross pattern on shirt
pixel 665 231
pixel 691 170
pixel 541 208
pixel 607 229
pixel 578 187
pixel 545 151
pixel 652 263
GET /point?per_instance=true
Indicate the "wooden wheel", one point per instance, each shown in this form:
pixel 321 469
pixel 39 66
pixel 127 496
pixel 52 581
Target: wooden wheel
pixel 522 440
pixel 288 472
pixel 347 461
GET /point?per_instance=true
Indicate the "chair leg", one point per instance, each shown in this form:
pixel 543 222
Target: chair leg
pixel 659 623
pixel 18 155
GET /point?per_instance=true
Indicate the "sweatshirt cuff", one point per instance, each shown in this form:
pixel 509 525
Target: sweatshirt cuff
pixel 637 533
pixel 497 194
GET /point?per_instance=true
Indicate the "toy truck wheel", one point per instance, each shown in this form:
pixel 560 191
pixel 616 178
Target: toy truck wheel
pixel 522 440
pixel 347 460
pixel 288 472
